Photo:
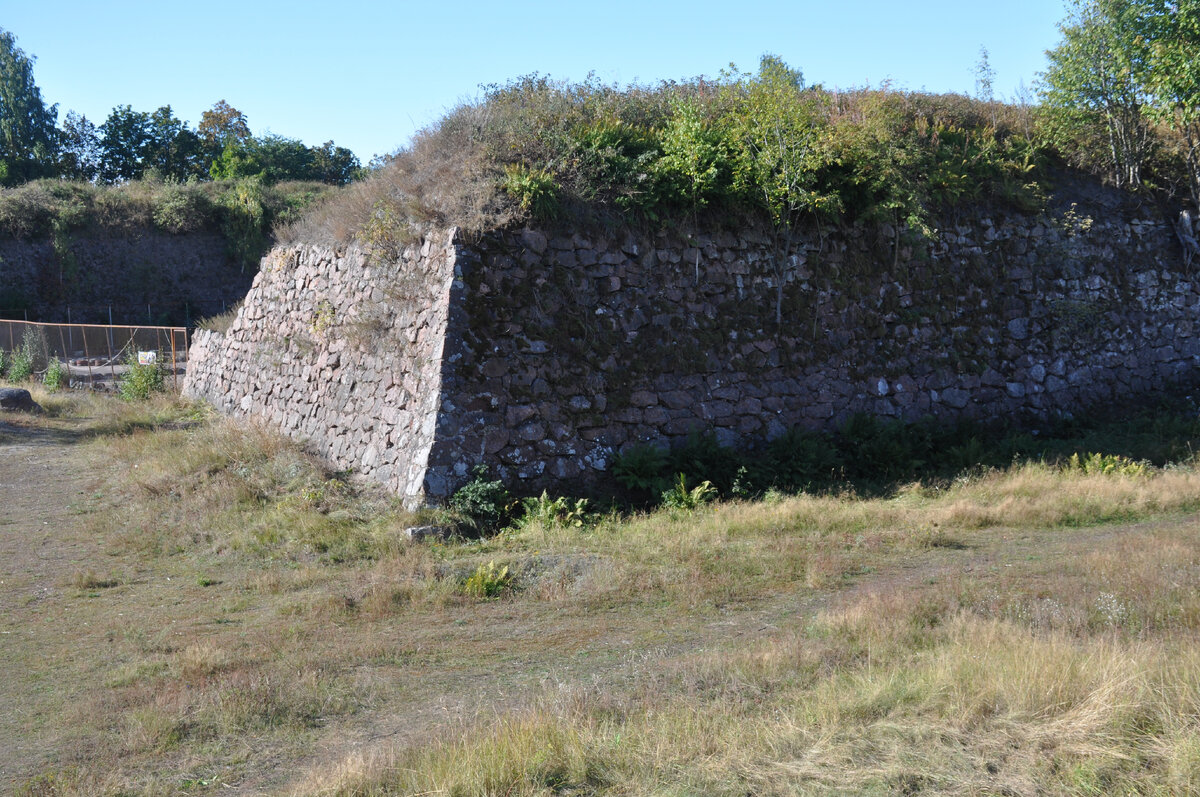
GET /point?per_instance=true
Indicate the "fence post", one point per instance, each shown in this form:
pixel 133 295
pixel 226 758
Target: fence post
pixel 88 357
pixel 66 355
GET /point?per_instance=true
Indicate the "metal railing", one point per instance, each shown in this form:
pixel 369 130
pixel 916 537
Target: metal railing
pixel 96 355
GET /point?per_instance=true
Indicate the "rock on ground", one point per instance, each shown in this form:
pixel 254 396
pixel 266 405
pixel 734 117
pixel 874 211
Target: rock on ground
pixel 18 399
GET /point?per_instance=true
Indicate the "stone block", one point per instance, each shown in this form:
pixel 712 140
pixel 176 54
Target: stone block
pixel 955 397
pixel 643 398
pixel 518 414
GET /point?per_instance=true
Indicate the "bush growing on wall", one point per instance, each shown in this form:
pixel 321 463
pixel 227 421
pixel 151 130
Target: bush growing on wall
pixel 181 208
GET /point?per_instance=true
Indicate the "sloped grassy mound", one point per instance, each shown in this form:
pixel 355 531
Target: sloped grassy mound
pixel 761 143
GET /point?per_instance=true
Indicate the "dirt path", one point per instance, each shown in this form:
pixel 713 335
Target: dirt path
pixel 43 484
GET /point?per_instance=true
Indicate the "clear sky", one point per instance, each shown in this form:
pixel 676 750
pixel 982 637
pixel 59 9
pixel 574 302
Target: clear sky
pixel 369 74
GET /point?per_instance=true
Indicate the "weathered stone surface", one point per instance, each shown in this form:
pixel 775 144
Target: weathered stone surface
pixel 620 343
pixel 159 269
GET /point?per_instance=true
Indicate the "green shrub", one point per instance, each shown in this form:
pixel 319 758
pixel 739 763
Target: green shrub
pixel 140 381
pixel 680 496
pixel 641 468
pixel 245 221
pixel 533 189
pixel 488 581
pixel 21 361
pixel 57 376
pixel 482 505
pixel 181 208
pixel 1106 464
pixel 560 511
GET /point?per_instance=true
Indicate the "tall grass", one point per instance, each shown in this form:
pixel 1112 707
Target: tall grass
pixel 228 484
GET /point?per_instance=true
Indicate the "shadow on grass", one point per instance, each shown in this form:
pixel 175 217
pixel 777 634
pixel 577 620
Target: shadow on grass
pixel 71 418
pixel 874 457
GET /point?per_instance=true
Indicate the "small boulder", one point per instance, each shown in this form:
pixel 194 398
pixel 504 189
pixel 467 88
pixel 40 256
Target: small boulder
pixel 419 533
pixel 17 399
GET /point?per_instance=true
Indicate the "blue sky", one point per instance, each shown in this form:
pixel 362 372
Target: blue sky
pixel 367 75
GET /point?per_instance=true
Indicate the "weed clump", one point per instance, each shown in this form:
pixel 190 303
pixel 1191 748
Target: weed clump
pixel 482 505
pixel 552 512
pixel 57 376
pixel 1106 464
pixel 141 380
pixel 680 496
pixel 221 322
pixel 488 581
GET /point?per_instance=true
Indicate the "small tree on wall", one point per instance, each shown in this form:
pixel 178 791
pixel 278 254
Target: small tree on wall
pixel 1172 33
pixel 1097 73
pixel 776 128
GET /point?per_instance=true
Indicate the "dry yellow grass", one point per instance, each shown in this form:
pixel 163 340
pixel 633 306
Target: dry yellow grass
pixel 972 707
pixel 1026 631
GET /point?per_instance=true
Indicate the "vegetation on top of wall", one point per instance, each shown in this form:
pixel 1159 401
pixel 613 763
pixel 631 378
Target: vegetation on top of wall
pixel 762 143
pixel 244 211
pixel 1118 101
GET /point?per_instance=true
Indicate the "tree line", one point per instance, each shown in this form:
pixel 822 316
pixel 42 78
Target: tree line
pixel 132 144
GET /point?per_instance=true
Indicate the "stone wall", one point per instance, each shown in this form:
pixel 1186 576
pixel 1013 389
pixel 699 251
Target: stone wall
pixel 335 351
pixel 178 276
pixel 563 347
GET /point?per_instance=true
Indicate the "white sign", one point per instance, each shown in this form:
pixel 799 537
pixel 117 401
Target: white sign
pixel 147 357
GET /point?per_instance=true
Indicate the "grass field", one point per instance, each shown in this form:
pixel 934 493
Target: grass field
pixel 188 606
